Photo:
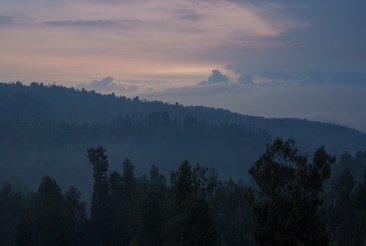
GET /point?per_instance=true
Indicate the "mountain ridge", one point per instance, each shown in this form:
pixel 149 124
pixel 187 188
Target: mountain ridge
pixel 62 104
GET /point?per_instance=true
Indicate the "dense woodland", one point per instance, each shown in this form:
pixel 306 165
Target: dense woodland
pixel 292 202
pixel 243 192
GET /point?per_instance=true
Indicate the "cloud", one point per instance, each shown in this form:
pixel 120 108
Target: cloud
pixel 6 20
pixel 309 77
pixel 330 44
pixel 187 14
pixel 104 83
pixel 245 79
pixel 295 77
pixel 108 85
pixel 191 17
pixel 216 77
pixel 125 87
pixel 82 23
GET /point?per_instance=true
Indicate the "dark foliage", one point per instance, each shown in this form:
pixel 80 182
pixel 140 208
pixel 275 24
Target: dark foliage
pixel 287 207
pixel 100 211
pixel 196 208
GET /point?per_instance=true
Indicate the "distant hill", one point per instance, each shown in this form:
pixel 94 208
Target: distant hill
pixel 46 129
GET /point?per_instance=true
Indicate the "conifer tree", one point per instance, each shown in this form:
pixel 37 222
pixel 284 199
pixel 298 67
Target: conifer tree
pixel 192 222
pixel 100 211
pixel 51 216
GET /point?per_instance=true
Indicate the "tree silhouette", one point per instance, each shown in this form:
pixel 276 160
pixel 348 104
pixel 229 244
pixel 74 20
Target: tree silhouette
pixel 23 230
pixel 342 217
pixel 359 201
pixel 287 206
pixel 191 222
pixel 76 214
pixel 100 211
pixel 51 216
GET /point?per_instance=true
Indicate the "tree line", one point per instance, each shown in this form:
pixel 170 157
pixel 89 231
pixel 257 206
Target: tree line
pixel 290 201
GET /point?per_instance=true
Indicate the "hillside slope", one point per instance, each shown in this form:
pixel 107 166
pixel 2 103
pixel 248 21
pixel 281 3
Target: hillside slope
pixel 47 129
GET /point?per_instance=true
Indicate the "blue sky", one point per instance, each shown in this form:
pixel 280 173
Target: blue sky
pixel 304 59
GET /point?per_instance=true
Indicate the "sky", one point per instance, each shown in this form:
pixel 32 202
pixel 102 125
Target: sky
pixel 285 58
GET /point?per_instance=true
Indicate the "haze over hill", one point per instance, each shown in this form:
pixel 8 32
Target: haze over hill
pixel 47 129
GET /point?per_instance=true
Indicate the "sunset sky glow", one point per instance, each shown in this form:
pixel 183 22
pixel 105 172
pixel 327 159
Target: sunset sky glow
pixel 281 58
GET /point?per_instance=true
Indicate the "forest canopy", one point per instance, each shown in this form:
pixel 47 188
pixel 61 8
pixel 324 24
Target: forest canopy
pixel 292 202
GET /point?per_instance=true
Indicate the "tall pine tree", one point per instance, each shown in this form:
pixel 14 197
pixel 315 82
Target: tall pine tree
pixel 100 211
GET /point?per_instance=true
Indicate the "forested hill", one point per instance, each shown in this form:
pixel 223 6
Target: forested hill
pixel 46 129
pixel 44 104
